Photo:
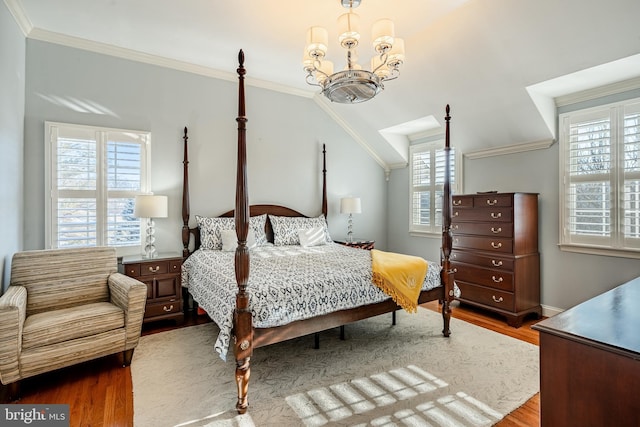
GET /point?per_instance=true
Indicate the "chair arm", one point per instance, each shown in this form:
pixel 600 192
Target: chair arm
pixel 13 311
pixel 131 296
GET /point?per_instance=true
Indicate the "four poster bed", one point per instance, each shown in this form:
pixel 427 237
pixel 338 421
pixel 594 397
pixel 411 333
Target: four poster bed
pixel 301 282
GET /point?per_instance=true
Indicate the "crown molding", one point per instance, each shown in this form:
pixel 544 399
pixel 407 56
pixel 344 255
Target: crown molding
pixel 324 104
pixel 598 92
pixel 510 149
pixel 19 15
pixel 133 55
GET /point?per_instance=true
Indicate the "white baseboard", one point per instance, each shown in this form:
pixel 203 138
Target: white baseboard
pixel 548 311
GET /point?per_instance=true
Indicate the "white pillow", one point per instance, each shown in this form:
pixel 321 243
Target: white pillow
pixel 230 240
pixel 312 237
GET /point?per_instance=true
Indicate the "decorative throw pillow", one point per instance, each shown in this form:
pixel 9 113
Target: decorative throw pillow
pixel 211 228
pixel 230 240
pixel 285 228
pixel 312 237
pixel 210 231
pixel 257 223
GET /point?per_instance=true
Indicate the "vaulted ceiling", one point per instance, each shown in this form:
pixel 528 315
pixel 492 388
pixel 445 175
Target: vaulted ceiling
pixel 498 63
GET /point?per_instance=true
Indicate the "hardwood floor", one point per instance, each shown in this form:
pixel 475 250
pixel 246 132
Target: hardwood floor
pixel 100 392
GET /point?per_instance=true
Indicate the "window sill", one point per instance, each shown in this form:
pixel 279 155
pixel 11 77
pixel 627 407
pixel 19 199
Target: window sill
pixel 591 250
pixel 429 234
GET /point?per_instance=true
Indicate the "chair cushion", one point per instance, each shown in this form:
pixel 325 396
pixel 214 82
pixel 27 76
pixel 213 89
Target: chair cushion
pixel 57 326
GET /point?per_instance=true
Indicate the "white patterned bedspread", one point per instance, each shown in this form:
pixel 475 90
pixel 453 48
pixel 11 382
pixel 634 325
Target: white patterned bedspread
pixel 286 283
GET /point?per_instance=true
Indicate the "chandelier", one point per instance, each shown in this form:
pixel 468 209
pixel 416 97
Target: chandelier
pixel 353 84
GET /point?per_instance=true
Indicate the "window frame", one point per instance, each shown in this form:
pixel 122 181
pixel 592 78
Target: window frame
pixel 615 243
pixel 102 195
pixel 435 229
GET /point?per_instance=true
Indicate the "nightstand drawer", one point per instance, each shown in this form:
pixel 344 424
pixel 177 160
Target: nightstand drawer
pixel 154 267
pixel 160 309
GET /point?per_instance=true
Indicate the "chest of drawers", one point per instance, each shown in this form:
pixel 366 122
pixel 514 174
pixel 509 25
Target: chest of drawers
pixel 164 288
pixel 495 252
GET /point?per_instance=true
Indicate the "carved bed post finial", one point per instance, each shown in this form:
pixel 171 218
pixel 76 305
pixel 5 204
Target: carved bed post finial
pixel 185 198
pixel 243 327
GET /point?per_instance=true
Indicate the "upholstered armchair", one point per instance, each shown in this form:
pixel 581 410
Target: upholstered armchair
pixel 66 306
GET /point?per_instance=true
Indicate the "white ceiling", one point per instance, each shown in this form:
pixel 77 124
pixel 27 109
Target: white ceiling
pixel 483 57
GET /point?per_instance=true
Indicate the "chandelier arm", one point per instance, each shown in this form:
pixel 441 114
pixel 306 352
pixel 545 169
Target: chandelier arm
pixel 311 80
pixel 383 61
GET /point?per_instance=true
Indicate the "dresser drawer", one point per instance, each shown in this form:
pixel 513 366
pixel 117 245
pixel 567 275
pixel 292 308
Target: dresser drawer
pixel 489 244
pixel 488 215
pixel 496 279
pixel 159 309
pixel 491 200
pixel 483 228
pixel 496 262
pixel 486 296
pixel 462 201
pixel 154 267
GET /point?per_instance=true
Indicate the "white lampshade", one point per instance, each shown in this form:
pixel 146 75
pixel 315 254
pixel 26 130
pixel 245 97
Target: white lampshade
pixel 350 205
pixel 317 41
pixel 151 206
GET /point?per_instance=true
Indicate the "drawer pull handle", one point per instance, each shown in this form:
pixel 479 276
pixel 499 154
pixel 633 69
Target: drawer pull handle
pixel 167 309
pixel 491 202
pixel 495 215
pixel 455 227
pixel 154 269
pixel 495 245
pixel 496 230
pixel 496 263
pixel 497 280
pixel 455 213
pixel 455 270
pixel 456 240
pixel 457 202
pixel 497 299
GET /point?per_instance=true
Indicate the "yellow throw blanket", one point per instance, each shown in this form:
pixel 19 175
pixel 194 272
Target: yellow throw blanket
pixel 399 276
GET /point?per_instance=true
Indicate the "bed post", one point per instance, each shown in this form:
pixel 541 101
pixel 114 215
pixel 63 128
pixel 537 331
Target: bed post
pixel 243 328
pixel 185 198
pixel 324 181
pixel 447 274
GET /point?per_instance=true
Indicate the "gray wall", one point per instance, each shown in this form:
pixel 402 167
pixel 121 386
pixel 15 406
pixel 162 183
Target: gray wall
pixel 566 278
pixel 12 84
pixel 284 139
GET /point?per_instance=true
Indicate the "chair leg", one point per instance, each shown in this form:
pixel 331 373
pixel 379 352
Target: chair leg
pixel 127 356
pixel 10 392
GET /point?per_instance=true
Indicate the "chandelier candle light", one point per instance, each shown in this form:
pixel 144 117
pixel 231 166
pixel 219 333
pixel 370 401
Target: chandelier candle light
pixel 150 206
pixel 350 205
pixel 353 84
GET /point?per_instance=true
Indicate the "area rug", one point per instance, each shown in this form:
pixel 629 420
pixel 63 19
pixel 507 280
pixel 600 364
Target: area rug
pixel 380 375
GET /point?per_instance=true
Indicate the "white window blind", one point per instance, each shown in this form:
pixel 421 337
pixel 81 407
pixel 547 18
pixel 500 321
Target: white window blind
pixel 94 175
pixel 427 168
pixel 600 157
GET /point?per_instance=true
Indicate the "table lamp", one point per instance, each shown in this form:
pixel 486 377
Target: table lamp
pixel 150 206
pixel 350 205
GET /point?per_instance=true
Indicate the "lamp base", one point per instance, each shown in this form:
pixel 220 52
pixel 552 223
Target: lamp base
pixel 149 248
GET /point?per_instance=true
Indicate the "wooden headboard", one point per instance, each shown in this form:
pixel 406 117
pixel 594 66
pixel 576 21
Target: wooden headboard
pixel 254 210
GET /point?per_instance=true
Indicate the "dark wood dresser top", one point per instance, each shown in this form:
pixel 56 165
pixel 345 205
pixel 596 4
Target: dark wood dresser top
pixel 610 321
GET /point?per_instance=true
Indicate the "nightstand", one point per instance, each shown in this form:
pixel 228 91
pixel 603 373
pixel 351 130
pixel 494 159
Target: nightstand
pixel 357 243
pixel 164 289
